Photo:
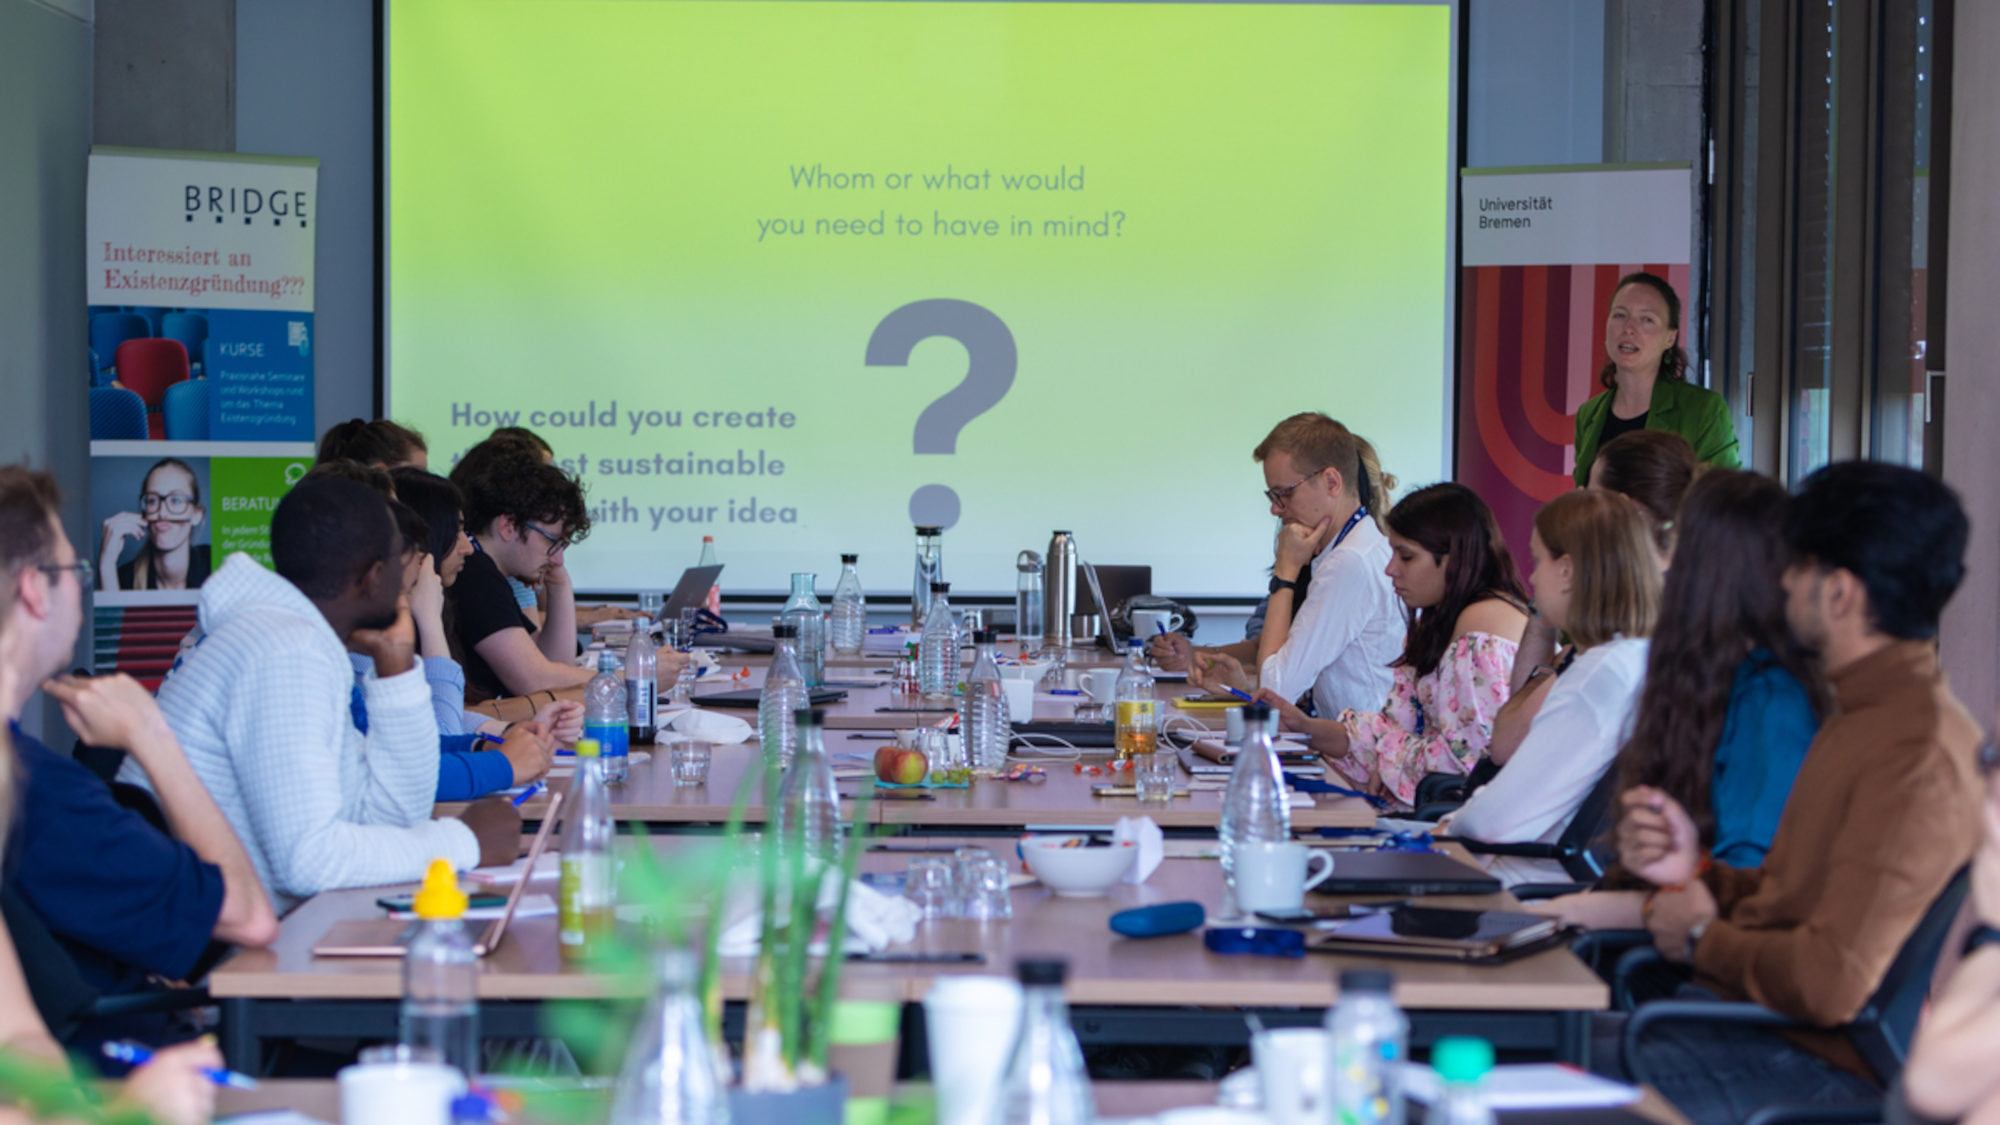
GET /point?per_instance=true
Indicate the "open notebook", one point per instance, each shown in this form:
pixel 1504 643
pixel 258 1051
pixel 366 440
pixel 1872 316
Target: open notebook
pixel 390 937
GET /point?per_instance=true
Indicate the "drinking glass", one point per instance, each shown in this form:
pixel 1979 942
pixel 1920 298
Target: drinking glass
pixel 650 604
pixel 688 758
pixel 929 885
pixel 985 891
pixel 1154 776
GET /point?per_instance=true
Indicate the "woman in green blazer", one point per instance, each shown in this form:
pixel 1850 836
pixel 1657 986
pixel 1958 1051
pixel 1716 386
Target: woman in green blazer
pixel 1646 385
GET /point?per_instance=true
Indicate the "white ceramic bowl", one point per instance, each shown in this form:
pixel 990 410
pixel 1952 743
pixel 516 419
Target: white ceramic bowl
pixel 1076 871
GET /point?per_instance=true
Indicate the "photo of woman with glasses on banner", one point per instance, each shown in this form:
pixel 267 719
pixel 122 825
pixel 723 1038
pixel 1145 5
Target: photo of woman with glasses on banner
pixel 161 542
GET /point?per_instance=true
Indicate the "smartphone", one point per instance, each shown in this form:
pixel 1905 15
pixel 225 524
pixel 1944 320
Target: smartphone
pixel 1299 915
pixel 403 904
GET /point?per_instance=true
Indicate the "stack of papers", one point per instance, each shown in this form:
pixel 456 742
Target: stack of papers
pixel 1528 1086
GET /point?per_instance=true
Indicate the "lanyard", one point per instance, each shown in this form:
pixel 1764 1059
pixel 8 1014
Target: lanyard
pixel 1359 514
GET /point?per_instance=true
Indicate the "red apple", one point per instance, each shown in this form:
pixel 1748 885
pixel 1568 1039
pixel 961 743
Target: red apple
pixel 898 766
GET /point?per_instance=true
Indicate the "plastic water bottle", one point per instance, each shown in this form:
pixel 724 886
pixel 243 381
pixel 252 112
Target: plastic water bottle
pixel 670 1076
pixel 1044 1082
pixel 586 897
pixel 930 570
pixel 642 667
pixel 802 610
pixel 441 975
pixel 708 559
pixel 783 697
pixel 937 651
pixel 982 714
pixel 1138 708
pixel 605 717
pixel 850 609
pixel 1368 1038
pixel 808 804
pixel 1461 1062
pixel 1028 603
pixel 1257 806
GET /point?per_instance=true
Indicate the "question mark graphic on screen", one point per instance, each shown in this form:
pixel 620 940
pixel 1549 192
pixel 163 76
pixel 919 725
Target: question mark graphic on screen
pixel 989 371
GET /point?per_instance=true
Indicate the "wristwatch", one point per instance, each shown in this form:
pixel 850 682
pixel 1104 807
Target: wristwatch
pixel 1981 935
pixel 1278 584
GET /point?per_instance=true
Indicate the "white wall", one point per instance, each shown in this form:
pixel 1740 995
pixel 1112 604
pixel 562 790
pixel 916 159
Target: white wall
pixel 45 68
pixel 1534 90
pixel 305 86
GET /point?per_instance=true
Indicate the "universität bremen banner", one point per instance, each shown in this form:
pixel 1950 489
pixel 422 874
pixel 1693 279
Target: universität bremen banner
pixel 1542 250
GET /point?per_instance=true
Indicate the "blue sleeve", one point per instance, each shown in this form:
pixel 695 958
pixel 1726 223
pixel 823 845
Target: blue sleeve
pixel 447 683
pixel 465 773
pixel 127 900
pixel 1764 743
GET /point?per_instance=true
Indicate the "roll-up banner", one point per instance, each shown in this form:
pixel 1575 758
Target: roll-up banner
pixel 1542 251
pixel 200 291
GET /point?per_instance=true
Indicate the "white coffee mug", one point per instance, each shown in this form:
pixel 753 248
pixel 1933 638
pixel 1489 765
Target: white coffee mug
pixel 1291 1070
pixel 1020 699
pixel 1100 684
pixel 1149 623
pixel 966 1016
pixel 1274 876
pixel 398 1093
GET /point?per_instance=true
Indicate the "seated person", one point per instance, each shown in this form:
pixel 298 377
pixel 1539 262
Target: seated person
pixel 1334 626
pixel 1953 1073
pixel 467 768
pixel 1884 812
pixel 1731 700
pixel 381 444
pixel 1597 578
pixel 527 594
pixel 1467 607
pixel 437 501
pixel 125 901
pixel 523 514
pixel 1653 468
pixel 262 705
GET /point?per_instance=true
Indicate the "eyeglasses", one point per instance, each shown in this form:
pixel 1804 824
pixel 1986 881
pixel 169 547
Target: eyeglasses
pixel 1281 495
pixel 176 503
pixel 82 567
pixel 556 546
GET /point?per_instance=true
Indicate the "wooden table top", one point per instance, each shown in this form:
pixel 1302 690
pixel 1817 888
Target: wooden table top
pixel 1063 798
pixel 320 1098
pixel 1104 969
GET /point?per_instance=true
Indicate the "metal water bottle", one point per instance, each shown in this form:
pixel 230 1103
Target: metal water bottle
pixel 1059 590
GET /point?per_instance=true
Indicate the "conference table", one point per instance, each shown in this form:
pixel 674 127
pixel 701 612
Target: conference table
pixel 319 1098
pixel 857 726
pixel 1168 990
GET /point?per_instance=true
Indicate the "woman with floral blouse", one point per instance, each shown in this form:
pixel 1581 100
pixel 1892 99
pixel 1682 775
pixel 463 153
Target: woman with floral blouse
pixel 1466 603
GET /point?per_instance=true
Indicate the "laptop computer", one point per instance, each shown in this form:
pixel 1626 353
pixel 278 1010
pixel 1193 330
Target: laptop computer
pixel 751 697
pixel 1106 588
pixel 1404 873
pixel 390 937
pixel 692 590
pixel 1437 934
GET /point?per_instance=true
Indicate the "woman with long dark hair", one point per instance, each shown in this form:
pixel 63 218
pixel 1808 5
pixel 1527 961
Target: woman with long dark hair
pixel 1466 608
pixel 1731 701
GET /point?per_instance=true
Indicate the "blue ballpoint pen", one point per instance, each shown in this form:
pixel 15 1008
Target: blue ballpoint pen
pixel 137 1054
pixel 1244 696
pixel 522 798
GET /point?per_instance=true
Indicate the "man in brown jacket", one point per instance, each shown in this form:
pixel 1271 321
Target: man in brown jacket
pixel 1883 813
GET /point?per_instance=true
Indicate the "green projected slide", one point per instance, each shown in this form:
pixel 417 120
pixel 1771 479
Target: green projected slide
pixel 798 274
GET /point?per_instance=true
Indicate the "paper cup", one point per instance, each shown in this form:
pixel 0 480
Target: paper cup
pixel 1020 699
pixel 971 1021
pixel 1291 1068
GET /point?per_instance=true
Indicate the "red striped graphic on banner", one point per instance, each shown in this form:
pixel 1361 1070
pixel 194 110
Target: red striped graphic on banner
pixel 1531 347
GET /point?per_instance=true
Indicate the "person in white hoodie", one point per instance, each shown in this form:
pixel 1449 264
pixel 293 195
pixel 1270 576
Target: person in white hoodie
pixel 1597 577
pixel 262 707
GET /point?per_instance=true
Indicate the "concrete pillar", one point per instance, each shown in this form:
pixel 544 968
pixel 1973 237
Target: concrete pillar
pixel 1972 384
pixel 166 74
